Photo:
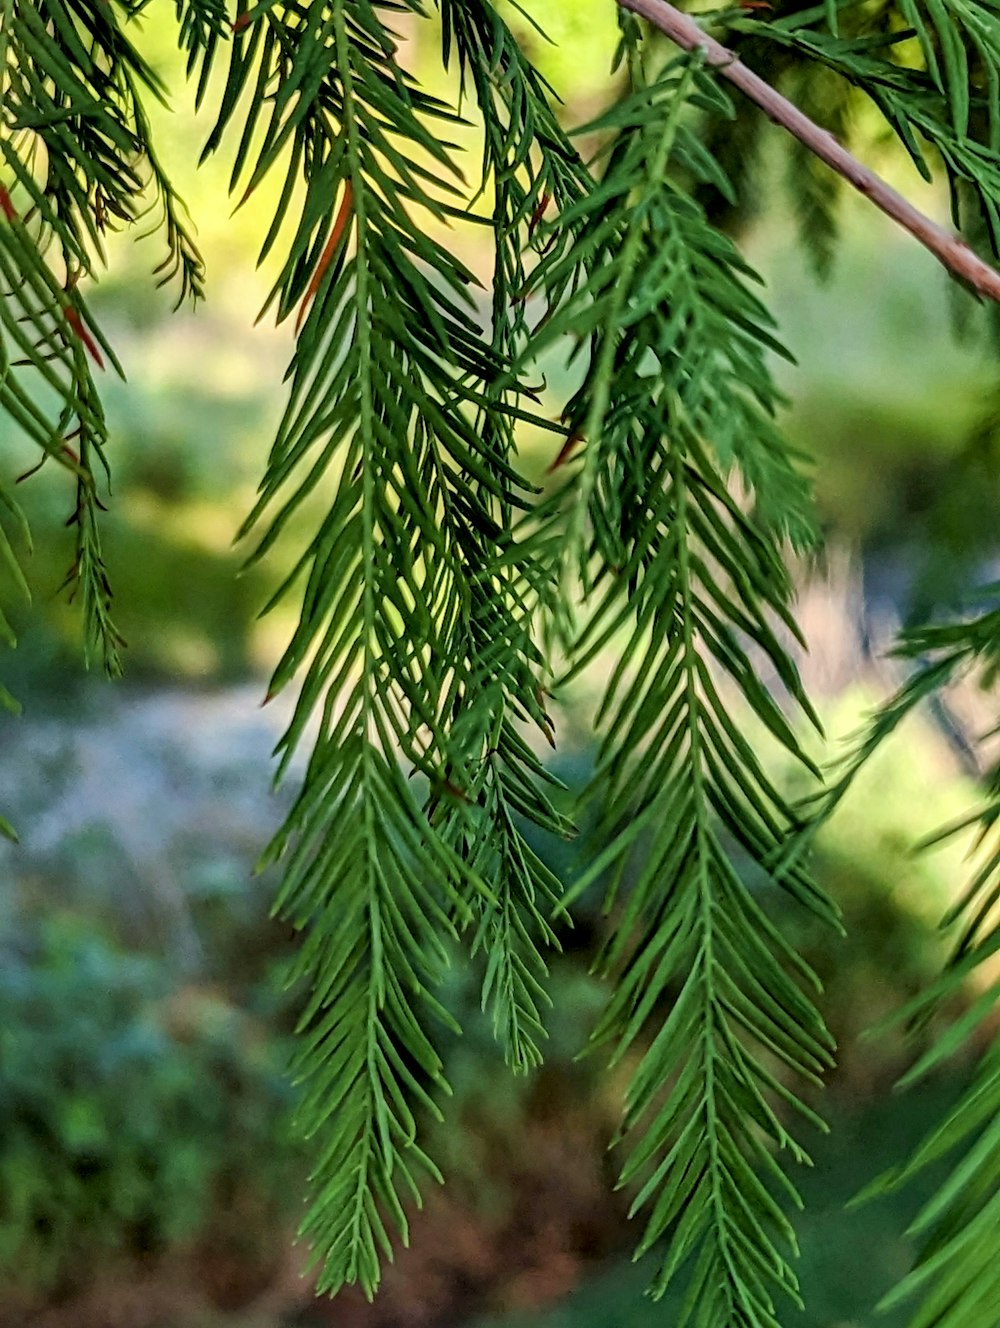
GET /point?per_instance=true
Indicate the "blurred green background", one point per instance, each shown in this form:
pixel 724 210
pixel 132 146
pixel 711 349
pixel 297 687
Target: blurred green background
pixel 146 1177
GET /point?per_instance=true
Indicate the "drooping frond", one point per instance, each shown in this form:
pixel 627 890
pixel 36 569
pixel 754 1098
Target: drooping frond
pixel 955 1280
pixel 415 643
pixel 530 168
pixel 78 159
pixel 676 394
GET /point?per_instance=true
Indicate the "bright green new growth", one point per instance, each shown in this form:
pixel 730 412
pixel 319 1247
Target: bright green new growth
pixel 440 594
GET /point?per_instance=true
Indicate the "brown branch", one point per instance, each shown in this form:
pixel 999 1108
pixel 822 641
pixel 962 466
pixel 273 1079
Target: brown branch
pixel 949 249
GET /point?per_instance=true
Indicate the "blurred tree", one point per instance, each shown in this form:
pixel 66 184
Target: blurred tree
pixel 439 595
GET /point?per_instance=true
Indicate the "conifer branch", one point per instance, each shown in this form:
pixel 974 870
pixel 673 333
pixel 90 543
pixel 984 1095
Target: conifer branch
pixel 430 583
pixel 949 249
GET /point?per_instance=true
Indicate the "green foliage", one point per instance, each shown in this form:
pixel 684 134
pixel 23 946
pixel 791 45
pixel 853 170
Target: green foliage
pixel 128 1105
pixel 928 108
pixel 78 159
pixel 952 1277
pixel 438 597
pixel 668 545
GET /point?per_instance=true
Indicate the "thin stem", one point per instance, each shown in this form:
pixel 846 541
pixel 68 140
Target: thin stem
pixel 949 249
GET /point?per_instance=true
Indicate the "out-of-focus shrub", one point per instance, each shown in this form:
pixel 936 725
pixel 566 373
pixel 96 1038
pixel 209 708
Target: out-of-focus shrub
pixel 136 1117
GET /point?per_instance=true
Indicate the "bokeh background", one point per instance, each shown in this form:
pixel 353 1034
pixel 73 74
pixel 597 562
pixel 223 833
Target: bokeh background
pixel 146 1174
